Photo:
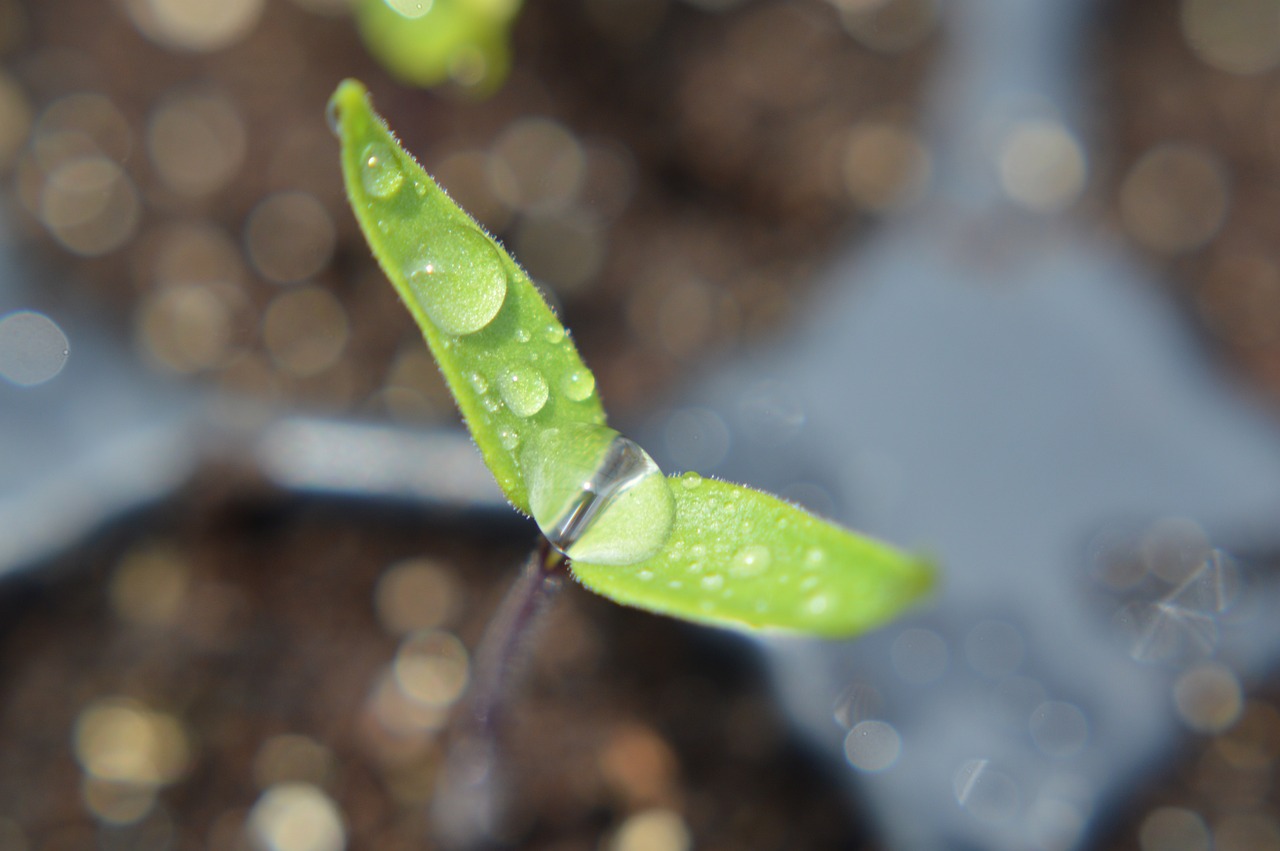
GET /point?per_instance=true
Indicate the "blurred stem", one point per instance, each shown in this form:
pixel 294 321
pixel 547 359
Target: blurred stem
pixel 466 810
pixel 508 640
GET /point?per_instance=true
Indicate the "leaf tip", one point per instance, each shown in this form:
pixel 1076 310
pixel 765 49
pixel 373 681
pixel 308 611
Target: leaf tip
pixel 350 92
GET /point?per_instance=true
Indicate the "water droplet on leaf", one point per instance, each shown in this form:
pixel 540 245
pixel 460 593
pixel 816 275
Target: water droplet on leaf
pixel 713 582
pixel 690 480
pixel 379 171
pixel 522 336
pixel 510 439
pixel 524 390
pixel 579 385
pixel 750 561
pixel 459 280
pixel 553 334
pixel 478 383
pixel 597 496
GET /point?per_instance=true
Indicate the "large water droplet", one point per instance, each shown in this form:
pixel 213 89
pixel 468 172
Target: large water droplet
pixel 579 385
pixel 597 496
pixel 691 480
pixel 379 171
pixel 751 560
pixel 459 280
pixel 524 390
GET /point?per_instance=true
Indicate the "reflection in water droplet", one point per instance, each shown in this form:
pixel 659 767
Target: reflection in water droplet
pixel 524 390
pixel 597 496
pixel 751 560
pixel 459 281
pixel 579 385
pixel 379 171
pixel 817 604
pixel 690 480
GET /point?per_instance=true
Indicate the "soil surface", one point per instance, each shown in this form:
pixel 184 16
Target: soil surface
pixel 198 675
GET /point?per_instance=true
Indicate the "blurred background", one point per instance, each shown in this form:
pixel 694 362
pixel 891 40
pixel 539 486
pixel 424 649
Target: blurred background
pixel 239 666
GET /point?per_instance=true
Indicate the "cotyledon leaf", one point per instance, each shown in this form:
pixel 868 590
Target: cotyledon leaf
pixel 737 557
pixel 508 361
pixel 699 549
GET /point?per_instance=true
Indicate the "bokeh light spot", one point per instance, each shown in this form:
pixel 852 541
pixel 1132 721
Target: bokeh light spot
pixel 197 142
pixel 1175 198
pixel 296 817
pixel 195 25
pixel 1208 697
pixel 1173 829
pixel 289 236
pixel 416 594
pixel 872 746
pixel 33 349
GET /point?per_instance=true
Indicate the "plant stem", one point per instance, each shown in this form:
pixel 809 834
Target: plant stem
pixel 466 808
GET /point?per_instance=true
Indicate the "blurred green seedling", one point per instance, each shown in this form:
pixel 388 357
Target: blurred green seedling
pixel 687 546
pixel 429 42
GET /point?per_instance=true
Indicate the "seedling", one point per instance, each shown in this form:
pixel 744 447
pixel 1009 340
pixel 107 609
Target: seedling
pixel 429 42
pixel 695 548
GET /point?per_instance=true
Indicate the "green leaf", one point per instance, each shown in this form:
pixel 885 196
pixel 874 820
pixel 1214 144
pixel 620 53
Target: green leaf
pixel 702 550
pixel 739 558
pixel 510 364
pixel 429 42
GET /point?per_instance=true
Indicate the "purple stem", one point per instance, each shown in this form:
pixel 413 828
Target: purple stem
pixel 467 806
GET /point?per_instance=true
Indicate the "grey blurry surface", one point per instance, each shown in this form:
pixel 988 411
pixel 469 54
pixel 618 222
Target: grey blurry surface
pixel 87 434
pixel 992 385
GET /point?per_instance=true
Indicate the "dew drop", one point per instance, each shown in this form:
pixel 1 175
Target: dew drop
pixel 524 390
pixel 522 336
pixel 814 557
pixel 578 385
pixel 459 280
pixel 420 187
pixel 553 334
pixel 751 560
pixel 817 604
pixel 510 439
pixel 713 582
pixel 645 576
pixel 379 171
pixel 492 405
pixel 690 480
pixel 478 383
pixel 597 496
